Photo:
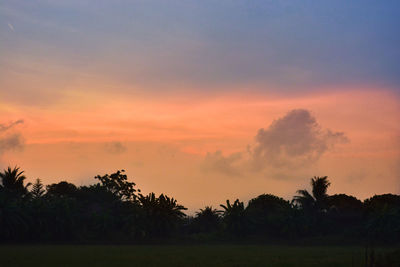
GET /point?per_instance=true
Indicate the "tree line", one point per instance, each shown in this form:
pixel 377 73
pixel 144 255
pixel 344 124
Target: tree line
pixel 114 210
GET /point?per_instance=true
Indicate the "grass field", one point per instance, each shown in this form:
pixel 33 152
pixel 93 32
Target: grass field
pixel 191 255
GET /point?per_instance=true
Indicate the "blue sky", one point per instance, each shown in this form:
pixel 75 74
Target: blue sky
pixel 292 46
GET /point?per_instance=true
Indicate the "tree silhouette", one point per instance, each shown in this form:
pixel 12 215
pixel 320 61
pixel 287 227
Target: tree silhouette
pixel 37 189
pixel 14 222
pixel 268 214
pixel 12 181
pixel 163 213
pixel 318 200
pixel 118 184
pixel 382 215
pixel 207 219
pixel 61 189
pixel 110 211
pixel 345 214
pixel 234 217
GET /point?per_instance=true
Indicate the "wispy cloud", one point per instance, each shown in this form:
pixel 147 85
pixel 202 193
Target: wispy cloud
pixel 11 27
pixel 115 147
pixel 224 164
pixel 10 140
pixel 5 127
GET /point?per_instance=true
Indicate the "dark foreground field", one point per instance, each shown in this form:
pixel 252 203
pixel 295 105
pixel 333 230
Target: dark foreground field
pixel 191 255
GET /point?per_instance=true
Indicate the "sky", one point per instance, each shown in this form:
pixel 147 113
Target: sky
pixel 203 100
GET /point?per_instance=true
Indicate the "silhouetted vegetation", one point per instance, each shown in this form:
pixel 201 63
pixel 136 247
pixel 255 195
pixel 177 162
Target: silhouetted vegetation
pixel 114 210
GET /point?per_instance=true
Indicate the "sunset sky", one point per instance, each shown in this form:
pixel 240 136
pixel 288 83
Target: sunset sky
pixel 203 100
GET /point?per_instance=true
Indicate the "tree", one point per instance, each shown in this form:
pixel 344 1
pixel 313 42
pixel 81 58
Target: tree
pixel 345 213
pixel 313 207
pixel 101 211
pixel 118 184
pixel 378 202
pixel 14 222
pixel 61 189
pixel 234 217
pixel 207 219
pixel 382 216
pixel 37 189
pixel 12 181
pixel 268 214
pixel 163 214
pixel 318 200
pixel 343 203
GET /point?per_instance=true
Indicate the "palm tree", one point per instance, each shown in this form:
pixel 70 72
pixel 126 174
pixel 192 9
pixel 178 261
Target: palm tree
pixel 207 219
pixel 163 214
pixel 171 206
pixel 12 180
pixel 234 217
pixel 208 211
pixel 318 199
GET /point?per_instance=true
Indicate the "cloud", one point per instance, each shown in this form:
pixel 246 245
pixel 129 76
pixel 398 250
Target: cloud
pixel 224 164
pixel 296 140
pixel 11 27
pixel 293 140
pixel 4 127
pixel 115 148
pixel 10 141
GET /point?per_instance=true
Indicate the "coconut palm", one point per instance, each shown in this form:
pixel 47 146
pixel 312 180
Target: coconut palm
pixel 171 206
pixel 163 214
pixel 318 199
pixel 12 181
pixel 234 217
pixel 208 211
pixel 207 219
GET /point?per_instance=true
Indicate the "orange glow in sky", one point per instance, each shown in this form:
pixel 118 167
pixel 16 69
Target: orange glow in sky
pixel 163 143
pixel 203 101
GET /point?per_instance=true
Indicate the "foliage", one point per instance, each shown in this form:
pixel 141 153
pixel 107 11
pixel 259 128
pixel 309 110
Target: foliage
pixel 162 214
pixel 317 202
pixel 61 189
pixel 234 217
pixel 12 182
pixel 112 211
pixel 268 214
pixel 118 184
pixel 207 220
pixel 345 214
pixel 37 190
pixel 382 217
